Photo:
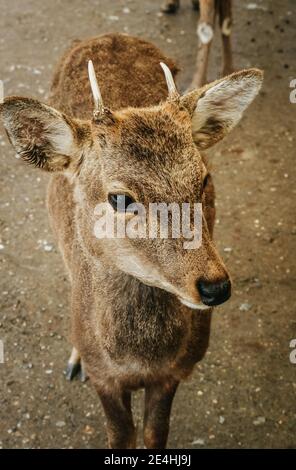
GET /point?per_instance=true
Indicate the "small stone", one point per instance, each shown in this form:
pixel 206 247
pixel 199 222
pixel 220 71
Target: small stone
pixel 88 429
pixel 252 6
pixel 198 442
pixel 255 6
pixel 245 307
pixel 227 249
pixel 221 419
pixel 258 421
pixel 48 247
pixel 60 424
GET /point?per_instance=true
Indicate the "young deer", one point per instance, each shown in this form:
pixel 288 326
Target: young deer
pixel 209 9
pixel 141 308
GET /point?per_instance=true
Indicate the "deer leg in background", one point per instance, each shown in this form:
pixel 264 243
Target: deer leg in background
pixel 205 32
pixel 171 6
pixel 158 404
pixel 225 23
pixel 120 427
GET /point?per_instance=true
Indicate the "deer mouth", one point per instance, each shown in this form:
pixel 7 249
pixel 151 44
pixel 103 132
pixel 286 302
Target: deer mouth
pixel 193 305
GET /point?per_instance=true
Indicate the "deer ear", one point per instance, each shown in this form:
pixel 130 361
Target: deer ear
pixel 43 136
pixel 218 107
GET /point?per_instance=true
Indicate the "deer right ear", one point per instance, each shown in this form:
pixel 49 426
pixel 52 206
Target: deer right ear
pixel 43 136
pixel 218 107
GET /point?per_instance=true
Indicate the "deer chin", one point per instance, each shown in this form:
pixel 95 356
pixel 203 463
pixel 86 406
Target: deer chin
pixel 150 276
pixel 193 305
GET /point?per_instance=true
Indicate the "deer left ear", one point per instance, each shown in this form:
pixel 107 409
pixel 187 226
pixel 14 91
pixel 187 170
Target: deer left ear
pixel 218 107
pixel 42 135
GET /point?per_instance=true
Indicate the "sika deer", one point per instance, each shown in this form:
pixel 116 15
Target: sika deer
pixel 141 308
pixel 209 9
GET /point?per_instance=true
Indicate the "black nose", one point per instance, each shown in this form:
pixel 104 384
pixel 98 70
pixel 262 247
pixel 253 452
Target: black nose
pixel 214 293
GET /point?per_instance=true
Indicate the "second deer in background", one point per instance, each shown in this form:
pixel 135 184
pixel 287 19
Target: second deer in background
pixel 209 9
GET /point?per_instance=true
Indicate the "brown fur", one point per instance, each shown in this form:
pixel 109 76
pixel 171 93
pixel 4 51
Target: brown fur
pixel 130 330
pixel 117 59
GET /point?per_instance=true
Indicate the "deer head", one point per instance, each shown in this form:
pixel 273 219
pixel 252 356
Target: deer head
pixel 148 155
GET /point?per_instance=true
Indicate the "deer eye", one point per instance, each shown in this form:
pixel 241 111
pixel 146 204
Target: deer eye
pixel 120 202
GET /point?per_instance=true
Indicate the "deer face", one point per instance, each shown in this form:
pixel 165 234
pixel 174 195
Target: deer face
pixel 143 157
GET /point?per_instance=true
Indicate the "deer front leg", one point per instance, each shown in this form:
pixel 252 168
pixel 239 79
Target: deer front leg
pixel 205 33
pixel 120 427
pixel 158 404
pixel 225 22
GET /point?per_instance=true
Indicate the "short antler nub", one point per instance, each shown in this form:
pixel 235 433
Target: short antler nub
pixel 173 92
pixel 99 107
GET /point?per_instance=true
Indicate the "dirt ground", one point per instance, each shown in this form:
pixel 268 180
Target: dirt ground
pixel 243 394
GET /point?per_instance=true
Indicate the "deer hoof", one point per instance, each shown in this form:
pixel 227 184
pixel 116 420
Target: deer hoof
pixel 72 370
pixel 82 374
pixel 171 6
pixel 75 367
pixel 195 5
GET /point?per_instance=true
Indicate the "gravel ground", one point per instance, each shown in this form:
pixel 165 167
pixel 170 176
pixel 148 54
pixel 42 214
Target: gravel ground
pixel 243 393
